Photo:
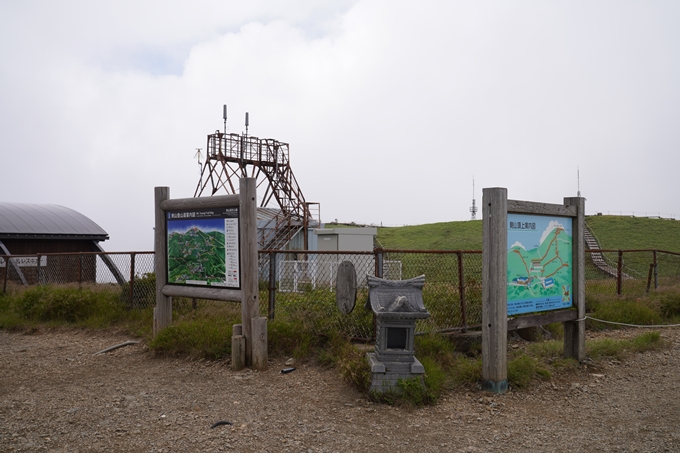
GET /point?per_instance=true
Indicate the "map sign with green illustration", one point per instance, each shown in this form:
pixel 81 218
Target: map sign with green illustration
pixel 539 263
pixel 203 247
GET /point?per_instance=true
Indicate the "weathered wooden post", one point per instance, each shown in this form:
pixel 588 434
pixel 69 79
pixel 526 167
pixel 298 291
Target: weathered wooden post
pixel 162 313
pixel 259 343
pixel 494 290
pixel 575 331
pixel 238 348
pixel 250 303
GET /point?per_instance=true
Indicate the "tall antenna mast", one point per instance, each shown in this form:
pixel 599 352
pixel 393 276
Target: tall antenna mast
pixel 247 124
pixel 473 209
pixel 578 182
pixel 224 116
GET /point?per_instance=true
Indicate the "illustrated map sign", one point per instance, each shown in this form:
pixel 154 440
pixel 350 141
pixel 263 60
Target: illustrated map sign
pixel 203 247
pixel 539 263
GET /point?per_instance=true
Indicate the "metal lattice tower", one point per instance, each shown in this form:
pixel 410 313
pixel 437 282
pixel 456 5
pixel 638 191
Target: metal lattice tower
pixel 233 156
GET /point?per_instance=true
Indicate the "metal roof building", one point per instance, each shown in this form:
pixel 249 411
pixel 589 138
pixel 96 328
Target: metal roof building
pixel 32 229
pixel 46 221
pixel 47 228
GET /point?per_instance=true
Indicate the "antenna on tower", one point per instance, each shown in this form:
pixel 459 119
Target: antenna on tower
pixel 473 209
pixel 247 122
pixel 198 155
pixel 224 116
pixel 578 182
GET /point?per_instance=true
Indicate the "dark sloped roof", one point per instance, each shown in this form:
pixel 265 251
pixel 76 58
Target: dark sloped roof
pixel 46 221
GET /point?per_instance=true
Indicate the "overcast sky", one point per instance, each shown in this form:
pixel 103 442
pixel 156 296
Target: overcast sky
pixel 390 107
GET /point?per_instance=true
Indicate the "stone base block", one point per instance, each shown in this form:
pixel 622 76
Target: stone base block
pixel 386 374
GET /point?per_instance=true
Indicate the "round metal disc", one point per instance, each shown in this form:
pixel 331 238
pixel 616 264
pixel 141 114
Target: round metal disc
pixel 346 287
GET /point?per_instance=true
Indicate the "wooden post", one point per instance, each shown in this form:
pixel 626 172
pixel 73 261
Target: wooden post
pixel 238 348
pixel 259 329
pixel 250 302
pixel 494 290
pixel 575 331
pixel 162 313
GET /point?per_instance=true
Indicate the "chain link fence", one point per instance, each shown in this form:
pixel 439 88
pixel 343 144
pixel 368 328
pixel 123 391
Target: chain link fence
pixel 132 273
pixel 302 284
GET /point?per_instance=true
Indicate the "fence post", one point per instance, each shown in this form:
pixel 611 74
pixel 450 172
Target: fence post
pixel 132 280
pixel 461 290
pixel 649 276
pixel 378 252
pixel 272 284
pixel 656 272
pixel 619 272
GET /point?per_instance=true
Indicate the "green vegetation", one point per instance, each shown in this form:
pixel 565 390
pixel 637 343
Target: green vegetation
pixel 620 349
pixel 613 232
pixel 93 306
pixel 657 307
pixel 630 233
pixel 435 236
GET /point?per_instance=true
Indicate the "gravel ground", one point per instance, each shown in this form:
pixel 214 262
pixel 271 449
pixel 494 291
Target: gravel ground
pixel 56 396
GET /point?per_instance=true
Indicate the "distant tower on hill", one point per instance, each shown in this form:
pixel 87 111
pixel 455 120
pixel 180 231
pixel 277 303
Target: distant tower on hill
pixel 473 209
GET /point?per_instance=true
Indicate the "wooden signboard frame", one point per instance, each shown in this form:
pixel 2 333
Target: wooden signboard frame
pixel 495 322
pixel 248 295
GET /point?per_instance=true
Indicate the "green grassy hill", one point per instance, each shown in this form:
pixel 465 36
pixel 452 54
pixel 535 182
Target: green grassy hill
pixel 613 232
pixel 626 233
pixel 435 236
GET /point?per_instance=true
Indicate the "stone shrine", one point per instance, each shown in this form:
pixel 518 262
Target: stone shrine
pixel 397 305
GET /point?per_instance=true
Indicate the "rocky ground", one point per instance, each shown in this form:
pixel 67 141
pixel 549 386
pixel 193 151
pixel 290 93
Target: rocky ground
pixel 56 396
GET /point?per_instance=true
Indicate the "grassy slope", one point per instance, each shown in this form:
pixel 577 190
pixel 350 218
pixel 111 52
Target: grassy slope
pixel 626 233
pixel 613 232
pixel 435 236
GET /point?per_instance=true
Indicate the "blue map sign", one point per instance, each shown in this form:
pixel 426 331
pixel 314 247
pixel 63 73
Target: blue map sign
pixel 539 263
pixel 203 247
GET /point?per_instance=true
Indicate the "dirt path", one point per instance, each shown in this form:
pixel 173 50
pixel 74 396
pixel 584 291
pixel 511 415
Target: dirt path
pixel 55 396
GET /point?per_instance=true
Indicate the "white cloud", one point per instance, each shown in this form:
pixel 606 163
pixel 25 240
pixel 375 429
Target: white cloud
pixel 551 226
pixel 389 109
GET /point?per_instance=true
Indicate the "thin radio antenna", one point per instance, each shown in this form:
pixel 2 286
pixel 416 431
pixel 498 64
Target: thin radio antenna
pixel 247 122
pixel 578 182
pixel 224 116
pixel 473 208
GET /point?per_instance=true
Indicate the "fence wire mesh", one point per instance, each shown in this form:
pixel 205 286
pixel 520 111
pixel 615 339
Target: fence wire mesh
pixel 133 273
pixel 302 285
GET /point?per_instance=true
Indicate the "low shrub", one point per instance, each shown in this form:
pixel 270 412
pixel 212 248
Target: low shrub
pixel 523 370
pixel 88 306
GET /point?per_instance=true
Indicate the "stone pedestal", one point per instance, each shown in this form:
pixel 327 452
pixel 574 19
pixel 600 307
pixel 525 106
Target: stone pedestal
pixel 385 375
